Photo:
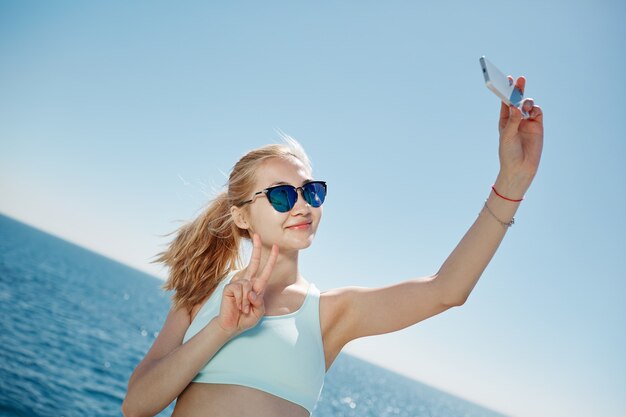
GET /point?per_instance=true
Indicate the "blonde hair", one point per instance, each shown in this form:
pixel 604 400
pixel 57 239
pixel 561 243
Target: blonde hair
pixel 206 249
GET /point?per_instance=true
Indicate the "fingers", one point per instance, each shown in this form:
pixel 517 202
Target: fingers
pixel 235 290
pixel 521 83
pixel 245 296
pixel 254 299
pixel 255 260
pixel 259 279
pixel 258 284
pixel 527 104
pixel 512 124
pixel 242 292
pixel 504 114
pixel 504 109
pixel 536 114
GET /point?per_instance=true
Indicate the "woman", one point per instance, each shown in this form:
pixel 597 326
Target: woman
pixel 257 341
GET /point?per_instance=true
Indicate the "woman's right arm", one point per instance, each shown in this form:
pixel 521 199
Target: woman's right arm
pixel 170 365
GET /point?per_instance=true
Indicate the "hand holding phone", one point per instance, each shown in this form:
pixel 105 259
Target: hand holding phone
pixel 502 86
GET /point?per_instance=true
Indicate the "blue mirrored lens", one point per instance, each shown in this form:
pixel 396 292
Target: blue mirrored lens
pixel 314 193
pixel 282 198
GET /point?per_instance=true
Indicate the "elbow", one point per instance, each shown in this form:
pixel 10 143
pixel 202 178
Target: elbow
pixel 455 302
pixel 128 410
pixel 449 297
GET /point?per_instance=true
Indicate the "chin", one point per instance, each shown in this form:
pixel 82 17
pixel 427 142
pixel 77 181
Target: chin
pixel 300 243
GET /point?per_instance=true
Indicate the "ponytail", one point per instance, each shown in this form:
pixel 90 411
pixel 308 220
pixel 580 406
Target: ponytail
pixel 204 251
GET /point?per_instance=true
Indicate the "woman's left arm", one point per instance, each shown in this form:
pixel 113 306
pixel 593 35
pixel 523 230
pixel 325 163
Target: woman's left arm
pixel 521 143
pixel 409 302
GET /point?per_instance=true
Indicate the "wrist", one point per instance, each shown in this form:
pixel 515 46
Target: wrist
pixel 510 188
pixel 217 329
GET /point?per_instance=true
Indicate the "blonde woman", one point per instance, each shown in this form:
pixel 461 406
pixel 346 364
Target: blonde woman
pixel 258 340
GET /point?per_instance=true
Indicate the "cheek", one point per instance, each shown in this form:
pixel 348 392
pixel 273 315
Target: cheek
pixel 265 218
pixel 318 214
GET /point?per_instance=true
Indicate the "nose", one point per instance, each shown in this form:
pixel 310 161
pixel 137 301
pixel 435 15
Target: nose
pixel 301 206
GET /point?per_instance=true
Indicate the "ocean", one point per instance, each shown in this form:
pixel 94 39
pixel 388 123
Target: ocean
pixel 75 324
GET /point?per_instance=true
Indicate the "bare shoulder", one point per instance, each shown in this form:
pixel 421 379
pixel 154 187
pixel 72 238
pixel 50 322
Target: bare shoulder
pixel 339 299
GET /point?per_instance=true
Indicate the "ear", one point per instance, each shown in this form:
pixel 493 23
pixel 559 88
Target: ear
pixel 239 217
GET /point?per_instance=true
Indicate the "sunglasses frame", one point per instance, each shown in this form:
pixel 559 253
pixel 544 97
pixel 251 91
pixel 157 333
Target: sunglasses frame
pixel 301 188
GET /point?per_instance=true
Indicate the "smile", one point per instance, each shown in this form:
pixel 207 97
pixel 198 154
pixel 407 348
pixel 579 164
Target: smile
pixel 301 226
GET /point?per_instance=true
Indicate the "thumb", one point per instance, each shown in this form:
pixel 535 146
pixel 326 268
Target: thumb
pixel 510 129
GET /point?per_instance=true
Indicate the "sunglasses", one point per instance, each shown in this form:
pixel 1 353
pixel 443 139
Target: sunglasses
pixel 284 197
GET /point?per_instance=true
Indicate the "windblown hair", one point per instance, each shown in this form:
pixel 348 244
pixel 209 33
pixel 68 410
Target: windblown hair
pixel 206 249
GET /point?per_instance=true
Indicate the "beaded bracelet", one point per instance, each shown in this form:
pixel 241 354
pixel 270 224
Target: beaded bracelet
pixel 504 224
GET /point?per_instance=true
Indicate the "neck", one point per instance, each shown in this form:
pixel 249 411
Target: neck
pixel 285 271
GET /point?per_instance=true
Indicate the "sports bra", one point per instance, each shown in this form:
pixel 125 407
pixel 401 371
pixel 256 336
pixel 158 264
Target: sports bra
pixel 292 364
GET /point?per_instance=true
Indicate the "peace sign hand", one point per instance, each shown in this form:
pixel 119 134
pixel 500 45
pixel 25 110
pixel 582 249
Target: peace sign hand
pixel 521 142
pixel 242 301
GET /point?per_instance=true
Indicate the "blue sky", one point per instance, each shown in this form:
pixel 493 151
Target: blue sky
pixel 119 120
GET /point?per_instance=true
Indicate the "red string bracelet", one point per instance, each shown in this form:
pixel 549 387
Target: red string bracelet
pixel 501 196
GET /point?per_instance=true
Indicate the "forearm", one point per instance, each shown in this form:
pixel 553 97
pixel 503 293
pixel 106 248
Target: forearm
pixel 155 387
pixel 462 269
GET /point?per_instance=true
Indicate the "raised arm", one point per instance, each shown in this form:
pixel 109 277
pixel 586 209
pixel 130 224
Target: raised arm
pixel 375 311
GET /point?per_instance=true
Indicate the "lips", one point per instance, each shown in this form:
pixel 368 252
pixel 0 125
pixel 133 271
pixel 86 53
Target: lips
pixel 302 225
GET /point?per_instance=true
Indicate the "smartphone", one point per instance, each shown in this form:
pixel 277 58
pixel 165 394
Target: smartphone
pixel 500 84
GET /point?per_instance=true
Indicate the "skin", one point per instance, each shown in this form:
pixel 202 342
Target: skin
pixel 272 285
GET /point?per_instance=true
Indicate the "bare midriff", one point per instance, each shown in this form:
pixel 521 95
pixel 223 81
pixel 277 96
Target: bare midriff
pixel 224 400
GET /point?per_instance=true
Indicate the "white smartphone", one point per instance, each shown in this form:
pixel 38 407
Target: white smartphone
pixel 504 88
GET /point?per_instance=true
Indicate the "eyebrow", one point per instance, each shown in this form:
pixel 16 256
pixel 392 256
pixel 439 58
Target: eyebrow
pixel 286 183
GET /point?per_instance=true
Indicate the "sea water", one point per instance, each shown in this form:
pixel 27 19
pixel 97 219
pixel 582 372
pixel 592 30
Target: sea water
pixel 74 325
